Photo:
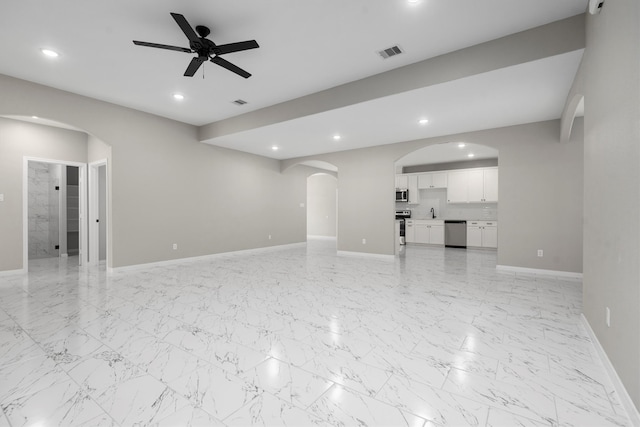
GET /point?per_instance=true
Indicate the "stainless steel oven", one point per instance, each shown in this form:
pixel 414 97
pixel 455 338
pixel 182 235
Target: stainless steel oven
pixel 402 215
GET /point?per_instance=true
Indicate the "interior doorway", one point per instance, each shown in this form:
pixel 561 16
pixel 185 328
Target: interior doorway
pixel 54 206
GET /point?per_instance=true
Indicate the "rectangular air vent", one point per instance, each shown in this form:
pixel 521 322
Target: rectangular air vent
pixel 392 51
pixel 239 102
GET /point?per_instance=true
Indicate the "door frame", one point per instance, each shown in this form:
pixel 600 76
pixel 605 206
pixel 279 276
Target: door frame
pixel 82 201
pixel 94 212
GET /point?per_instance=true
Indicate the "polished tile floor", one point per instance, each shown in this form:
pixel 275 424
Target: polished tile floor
pixel 299 336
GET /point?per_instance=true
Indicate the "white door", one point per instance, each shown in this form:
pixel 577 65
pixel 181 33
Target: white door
pixel 98 218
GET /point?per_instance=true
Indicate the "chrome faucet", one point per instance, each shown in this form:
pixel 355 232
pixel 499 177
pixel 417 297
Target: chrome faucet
pixel 433 213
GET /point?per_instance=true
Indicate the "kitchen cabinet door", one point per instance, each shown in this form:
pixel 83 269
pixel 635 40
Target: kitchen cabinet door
pixel 414 193
pixel 476 185
pixel 425 181
pixel 401 181
pixel 490 184
pixel 457 187
pixel 439 180
pixel 422 233
pixel 490 237
pixel 474 236
pixel 436 234
pixel 409 232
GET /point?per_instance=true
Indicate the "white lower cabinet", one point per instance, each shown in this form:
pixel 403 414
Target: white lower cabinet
pixel 428 232
pixel 409 231
pixel 482 234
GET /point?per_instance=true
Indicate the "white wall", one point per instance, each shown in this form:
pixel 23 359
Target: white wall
pixel 165 186
pixel 540 187
pixel 321 205
pixel 611 74
pixel 19 139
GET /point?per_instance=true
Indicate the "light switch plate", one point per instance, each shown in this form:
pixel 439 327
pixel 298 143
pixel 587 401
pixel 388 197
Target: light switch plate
pixel 1 197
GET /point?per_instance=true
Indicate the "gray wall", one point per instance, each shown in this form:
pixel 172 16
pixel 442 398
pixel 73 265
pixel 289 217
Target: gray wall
pixel 540 187
pixel 165 186
pixel 611 72
pixel 17 140
pixel 321 205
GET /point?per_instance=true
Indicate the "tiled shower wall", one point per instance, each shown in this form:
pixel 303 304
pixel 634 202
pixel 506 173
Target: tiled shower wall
pixel 44 209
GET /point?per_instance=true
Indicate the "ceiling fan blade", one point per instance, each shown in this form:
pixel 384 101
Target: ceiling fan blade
pixel 236 47
pixel 162 46
pixel 185 27
pixel 231 67
pixel 194 65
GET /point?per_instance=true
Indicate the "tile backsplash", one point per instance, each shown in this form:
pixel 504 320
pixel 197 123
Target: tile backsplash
pixel 437 199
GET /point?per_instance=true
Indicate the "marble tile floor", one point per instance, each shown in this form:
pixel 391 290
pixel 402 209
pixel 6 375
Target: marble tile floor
pixel 299 336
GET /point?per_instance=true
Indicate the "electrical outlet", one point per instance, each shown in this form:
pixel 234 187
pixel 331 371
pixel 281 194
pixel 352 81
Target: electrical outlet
pixel 175 246
pixel 364 241
pixel 608 317
pixel 540 253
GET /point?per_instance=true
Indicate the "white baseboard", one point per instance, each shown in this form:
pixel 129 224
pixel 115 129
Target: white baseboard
pixel 315 237
pixel 367 255
pixel 625 399
pixel 12 272
pixel 540 272
pixel 134 267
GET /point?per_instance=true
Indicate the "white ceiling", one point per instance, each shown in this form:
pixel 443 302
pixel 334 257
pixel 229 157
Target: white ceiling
pixel 305 46
pixel 448 152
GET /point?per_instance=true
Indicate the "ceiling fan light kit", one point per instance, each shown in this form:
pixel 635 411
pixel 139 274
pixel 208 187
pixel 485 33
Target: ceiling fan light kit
pixel 204 48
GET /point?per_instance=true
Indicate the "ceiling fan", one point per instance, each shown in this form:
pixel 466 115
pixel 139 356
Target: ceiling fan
pixel 205 48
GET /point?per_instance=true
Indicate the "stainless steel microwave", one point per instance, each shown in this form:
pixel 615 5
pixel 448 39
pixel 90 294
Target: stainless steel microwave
pixel 402 195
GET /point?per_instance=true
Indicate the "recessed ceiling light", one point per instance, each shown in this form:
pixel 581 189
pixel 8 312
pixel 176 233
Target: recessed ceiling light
pixel 50 53
pixel 423 121
pixel 413 1
pixel 34 117
pixel 462 145
pixel 336 137
pixel 275 148
pixel 178 96
pixel 470 155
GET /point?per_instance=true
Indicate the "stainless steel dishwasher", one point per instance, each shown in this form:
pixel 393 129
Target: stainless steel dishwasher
pixel 455 234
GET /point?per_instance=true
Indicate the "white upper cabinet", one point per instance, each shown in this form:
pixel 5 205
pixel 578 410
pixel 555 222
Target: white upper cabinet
pixel 473 186
pixel 490 185
pixel 457 187
pixel 414 194
pixel 476 185
pixel 432 180
pixel 402 181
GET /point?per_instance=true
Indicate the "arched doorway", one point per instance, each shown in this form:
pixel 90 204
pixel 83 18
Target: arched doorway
pixel 322 199
pixel 447 182
pixel 66 153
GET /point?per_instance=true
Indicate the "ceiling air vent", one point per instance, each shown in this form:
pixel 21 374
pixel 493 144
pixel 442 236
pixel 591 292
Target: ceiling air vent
pixel 392 51
pixel 239 102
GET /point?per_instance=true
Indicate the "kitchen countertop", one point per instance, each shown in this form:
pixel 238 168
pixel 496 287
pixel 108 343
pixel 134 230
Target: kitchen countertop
pixel 451 219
